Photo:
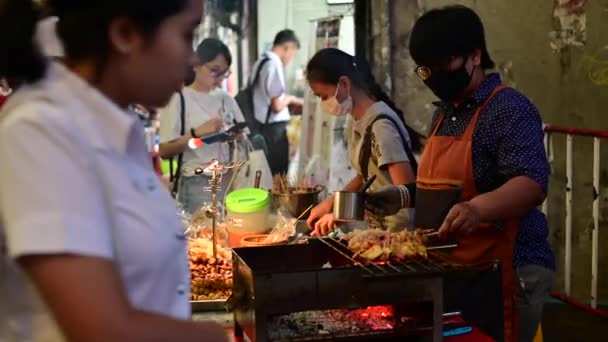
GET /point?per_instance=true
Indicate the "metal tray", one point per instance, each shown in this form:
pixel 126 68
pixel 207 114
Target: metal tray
pixel 208 305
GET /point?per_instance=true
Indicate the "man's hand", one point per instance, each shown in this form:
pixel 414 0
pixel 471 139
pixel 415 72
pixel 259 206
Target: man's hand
pixel 462 219
pixel 385 201
pixel 293 100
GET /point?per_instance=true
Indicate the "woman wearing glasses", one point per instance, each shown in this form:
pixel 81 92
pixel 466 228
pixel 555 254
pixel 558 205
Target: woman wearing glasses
pixel 207 110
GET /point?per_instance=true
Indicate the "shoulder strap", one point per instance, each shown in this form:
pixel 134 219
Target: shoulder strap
pixel 468 133
pixel 366 149
pixel 182 112
pixel 259 71
pixel 174 177
pixel 255 81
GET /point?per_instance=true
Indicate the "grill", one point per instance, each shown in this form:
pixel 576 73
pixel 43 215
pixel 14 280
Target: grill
pixel 302 293
pixel 430 266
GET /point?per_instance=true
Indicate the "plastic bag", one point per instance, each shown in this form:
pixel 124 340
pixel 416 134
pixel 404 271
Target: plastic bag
pixel 199 225
pixel 284 228
pixel 245 175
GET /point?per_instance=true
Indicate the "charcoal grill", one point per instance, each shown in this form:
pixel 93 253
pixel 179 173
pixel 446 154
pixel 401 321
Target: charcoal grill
pixel 322 275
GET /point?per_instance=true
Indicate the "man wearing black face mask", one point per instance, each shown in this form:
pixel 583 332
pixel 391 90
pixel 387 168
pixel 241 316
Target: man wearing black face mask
pixel 488 138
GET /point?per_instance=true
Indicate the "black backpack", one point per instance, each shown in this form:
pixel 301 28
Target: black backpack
pixel 244 98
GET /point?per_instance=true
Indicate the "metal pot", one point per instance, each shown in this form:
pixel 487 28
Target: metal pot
pixel 350 205
pixel 297 203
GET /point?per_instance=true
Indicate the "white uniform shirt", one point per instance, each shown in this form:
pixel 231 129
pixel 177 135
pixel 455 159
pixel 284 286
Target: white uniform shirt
pixel 199 108
pixel 56 138
pixel 271 84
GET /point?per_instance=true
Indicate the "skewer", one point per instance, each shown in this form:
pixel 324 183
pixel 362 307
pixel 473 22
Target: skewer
pixel 355 262
pixel 304 213
pixel 431 234
pixel 441 247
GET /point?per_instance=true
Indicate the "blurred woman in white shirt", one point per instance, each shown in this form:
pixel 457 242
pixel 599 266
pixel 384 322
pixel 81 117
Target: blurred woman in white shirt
pixel 208 109
pixel 91 248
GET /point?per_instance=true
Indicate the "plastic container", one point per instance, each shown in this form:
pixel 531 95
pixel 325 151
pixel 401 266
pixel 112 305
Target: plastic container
pixel 250 209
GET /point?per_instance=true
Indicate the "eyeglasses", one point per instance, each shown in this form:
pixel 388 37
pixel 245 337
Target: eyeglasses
pixel 424 72
pixel 218 73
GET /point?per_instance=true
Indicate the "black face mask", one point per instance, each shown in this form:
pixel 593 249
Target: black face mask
pixel 449 85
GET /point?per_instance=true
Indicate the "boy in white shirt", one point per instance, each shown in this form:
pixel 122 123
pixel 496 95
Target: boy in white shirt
pixel 271 102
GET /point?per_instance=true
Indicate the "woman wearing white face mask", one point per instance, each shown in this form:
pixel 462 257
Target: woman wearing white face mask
pixel 380 142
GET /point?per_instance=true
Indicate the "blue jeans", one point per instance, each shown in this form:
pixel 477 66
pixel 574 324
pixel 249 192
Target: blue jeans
pixel 192 194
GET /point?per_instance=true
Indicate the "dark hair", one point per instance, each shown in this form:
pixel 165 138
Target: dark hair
pixel 20 59
pixel 445 32
pixel 286 36
pixel 190 76
pixel 82 27
pixel 210 48
pixel 329 64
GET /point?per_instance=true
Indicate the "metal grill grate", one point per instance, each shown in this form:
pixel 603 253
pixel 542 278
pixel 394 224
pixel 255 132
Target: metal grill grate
pixel 431 265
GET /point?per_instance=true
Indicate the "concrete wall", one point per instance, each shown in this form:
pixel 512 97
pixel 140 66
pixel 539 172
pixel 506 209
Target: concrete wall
pixel 559 58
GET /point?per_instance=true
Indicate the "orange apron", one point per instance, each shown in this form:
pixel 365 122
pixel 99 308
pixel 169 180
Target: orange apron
pixel 443 159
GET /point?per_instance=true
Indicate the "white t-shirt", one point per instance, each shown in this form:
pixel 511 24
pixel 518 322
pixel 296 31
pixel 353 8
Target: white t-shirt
pixel 271 84
pixel 200 108
pixel 59 139
pixel 387 148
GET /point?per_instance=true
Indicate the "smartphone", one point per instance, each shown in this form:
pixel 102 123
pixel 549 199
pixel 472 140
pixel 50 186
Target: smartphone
pixel 215 138
pixel 237 128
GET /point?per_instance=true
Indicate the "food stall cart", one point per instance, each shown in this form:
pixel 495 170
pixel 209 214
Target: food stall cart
pixel 361 286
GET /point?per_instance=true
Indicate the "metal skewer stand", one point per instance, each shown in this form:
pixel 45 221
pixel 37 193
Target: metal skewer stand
pixel 217 171
pixel 214 185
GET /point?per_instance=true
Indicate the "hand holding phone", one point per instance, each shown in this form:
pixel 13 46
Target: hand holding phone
pixel 216 138
pixel 237 128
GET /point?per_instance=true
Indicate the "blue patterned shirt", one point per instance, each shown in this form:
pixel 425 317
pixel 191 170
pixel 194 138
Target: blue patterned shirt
pixel 507 143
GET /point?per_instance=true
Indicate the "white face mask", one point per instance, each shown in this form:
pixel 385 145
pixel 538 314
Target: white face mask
pixel 334 107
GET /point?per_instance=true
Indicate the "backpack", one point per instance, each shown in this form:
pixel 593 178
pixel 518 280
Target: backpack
pixel 244 98
pixel 174 175
pixel 366 149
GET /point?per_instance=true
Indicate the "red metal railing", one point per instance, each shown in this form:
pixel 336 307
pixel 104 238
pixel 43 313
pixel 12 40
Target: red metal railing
pixel 583 132
pixel 597 136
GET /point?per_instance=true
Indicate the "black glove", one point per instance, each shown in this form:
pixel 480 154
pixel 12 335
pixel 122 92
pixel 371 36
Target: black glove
pixel 385 201
pixel 389 200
